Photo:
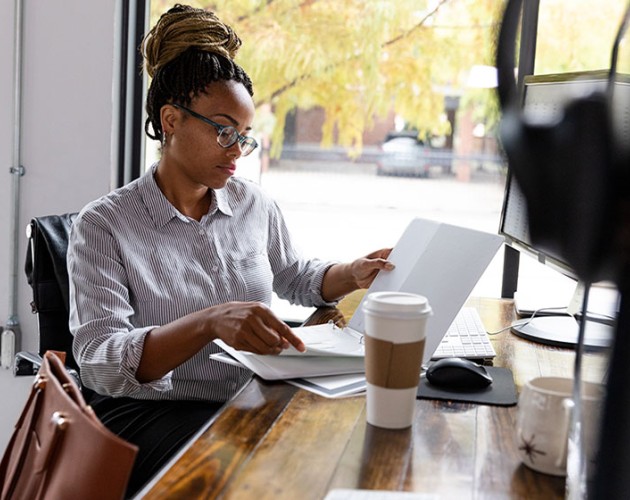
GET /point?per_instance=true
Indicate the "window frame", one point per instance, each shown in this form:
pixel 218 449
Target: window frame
pixel 134 17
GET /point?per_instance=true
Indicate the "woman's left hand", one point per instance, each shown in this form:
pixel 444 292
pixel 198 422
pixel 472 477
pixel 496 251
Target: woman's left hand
pixel 341 279
pixel 365 269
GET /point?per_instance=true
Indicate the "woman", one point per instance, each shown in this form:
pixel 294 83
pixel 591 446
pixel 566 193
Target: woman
pixel 187 254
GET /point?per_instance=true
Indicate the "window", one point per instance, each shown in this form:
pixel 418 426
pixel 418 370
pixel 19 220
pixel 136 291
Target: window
pixel 576 35
pixel 357 73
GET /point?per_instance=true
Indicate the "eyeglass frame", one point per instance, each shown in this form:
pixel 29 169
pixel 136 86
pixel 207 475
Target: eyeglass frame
pixel 220 128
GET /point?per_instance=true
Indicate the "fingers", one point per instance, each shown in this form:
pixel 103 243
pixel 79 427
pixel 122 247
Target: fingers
pixel 258 340
pixel 368 267
pixel 383 264
pixel 378 259
pixel 294 340
pixel 277 333
pixel 383 253
pixel 276 338
pixel 256 329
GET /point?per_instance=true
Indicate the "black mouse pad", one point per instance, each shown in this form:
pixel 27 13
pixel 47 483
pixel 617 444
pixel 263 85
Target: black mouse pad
pixel 502 391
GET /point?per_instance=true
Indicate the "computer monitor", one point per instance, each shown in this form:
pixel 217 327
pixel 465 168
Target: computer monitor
pixel 544 96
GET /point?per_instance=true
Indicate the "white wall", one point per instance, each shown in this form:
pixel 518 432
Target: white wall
pixel 68 73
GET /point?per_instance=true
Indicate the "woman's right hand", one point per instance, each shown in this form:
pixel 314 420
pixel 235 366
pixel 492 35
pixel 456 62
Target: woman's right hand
pixel 251 326
pixel 246 326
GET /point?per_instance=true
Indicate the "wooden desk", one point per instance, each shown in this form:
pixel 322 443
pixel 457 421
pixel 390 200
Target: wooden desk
pixel 279 442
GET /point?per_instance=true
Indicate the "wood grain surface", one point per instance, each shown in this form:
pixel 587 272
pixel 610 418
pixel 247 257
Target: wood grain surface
pixel 273 441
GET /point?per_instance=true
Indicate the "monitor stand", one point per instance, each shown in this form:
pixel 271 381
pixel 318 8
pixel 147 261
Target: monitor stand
pixel 562 330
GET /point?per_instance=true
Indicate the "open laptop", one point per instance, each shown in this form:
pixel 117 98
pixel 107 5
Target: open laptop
pixel 441 261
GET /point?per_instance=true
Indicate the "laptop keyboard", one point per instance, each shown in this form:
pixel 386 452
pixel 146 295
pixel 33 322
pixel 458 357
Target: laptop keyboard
pixel 466 338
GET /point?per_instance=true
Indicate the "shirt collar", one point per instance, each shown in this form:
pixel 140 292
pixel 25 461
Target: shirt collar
pixel 162 211
pixel 222 201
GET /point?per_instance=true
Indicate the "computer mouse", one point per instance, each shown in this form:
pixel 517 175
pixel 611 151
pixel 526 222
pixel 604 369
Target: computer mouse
pixel 458 374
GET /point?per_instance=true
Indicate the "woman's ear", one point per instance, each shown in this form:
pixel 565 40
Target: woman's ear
pixel 168 117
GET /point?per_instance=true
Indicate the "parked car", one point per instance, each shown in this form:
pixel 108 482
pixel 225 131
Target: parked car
pixel 403 153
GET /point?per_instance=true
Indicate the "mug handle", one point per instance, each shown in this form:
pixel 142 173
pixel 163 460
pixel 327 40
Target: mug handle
pixel 568 406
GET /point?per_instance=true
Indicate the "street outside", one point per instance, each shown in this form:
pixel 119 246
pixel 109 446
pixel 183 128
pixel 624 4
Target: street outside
pixel 348 211
pixel 345 210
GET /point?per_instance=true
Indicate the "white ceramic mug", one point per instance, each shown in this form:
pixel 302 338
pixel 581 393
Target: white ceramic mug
pixel 395 332
pixel 544 418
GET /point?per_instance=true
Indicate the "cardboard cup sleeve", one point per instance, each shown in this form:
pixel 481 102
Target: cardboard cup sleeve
pixel 393 366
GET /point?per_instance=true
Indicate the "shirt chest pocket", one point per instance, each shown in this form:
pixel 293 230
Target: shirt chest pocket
pixel 254 277
pixel 163 276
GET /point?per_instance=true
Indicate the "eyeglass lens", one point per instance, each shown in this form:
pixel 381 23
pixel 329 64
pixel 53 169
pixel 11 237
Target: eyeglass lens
pixel 229 136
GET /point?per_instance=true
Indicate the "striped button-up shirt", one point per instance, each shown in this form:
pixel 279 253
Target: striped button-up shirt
pixel 135 263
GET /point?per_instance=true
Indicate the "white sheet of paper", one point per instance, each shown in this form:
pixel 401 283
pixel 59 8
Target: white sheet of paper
pixel 329 386
pixel 440 261
pixel 285 367
pixel 333 386
pixel 327 340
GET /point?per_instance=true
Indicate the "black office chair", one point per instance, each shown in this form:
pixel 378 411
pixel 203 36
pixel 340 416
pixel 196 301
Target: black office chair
pixel 47 273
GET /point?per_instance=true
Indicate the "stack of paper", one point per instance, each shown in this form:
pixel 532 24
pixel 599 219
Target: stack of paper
pixel 332 366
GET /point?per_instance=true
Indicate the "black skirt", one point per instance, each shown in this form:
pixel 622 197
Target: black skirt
pixel 158 428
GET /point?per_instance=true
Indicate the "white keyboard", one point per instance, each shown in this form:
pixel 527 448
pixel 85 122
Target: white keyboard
pixel 466 338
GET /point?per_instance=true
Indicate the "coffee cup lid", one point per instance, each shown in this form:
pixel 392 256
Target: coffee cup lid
pixel 397 303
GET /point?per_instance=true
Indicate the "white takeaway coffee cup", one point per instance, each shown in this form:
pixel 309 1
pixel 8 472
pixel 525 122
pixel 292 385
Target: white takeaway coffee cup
pixel 395 334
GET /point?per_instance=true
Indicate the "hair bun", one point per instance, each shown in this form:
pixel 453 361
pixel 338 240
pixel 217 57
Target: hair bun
pixel 183 27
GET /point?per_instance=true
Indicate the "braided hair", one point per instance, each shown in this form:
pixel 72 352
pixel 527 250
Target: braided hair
pixel 184 52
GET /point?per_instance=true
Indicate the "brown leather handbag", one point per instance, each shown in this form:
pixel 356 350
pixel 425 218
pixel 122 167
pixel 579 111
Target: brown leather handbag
pixel 59 448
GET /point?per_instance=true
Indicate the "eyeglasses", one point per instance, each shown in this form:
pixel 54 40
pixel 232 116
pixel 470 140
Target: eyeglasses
pixel 227 135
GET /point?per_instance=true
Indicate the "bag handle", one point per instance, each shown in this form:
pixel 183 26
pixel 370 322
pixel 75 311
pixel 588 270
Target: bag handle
pixel 53 365
pixel 58 370
pixel 30 412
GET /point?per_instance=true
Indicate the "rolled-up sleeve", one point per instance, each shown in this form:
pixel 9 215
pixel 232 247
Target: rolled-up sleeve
pixel 106 345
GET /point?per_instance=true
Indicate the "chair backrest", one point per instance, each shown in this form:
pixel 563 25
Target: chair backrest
pixel 47 273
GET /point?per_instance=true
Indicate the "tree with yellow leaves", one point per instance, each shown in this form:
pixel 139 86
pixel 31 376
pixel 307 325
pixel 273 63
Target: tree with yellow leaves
pixel 359 60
